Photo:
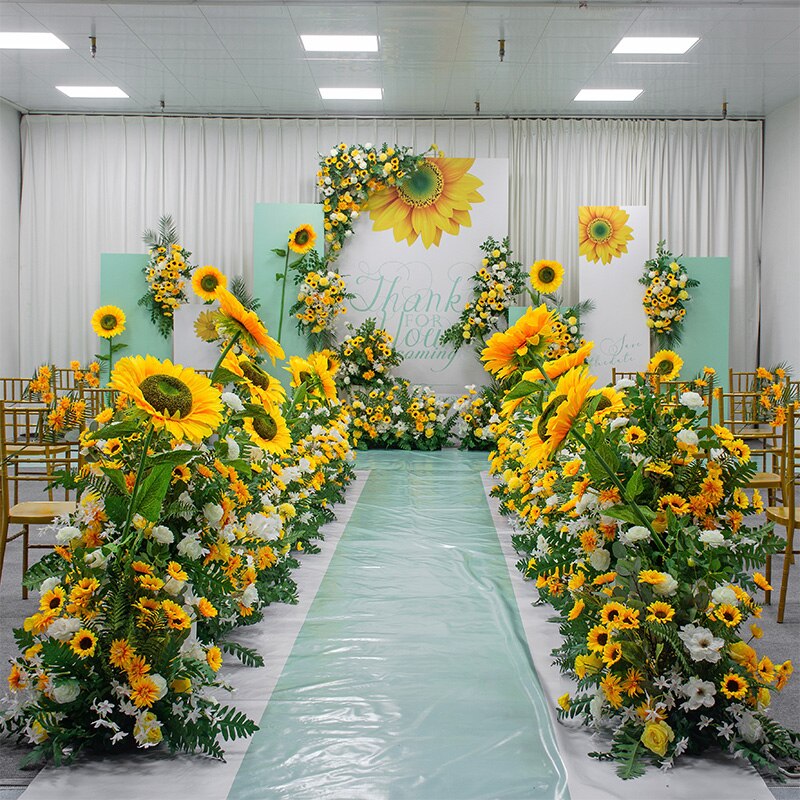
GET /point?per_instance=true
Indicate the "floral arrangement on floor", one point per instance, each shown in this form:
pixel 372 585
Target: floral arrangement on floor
pixel 347 176
pixel 191 503
pixel 41 385
pixel 398 415
pixel 321 299
pixel 666 295
pixel 773 395
pixel 367 355
pixel 166 272
pixel 64 414
pixel 631 518
pixel 477 414
pixel 494 288
pixel 88 376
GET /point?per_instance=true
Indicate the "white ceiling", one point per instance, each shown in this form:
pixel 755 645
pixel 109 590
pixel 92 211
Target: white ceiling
pixel 435 58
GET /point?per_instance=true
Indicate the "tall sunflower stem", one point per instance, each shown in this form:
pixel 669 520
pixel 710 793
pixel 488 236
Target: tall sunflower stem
pixel 222 355
pixel 283 294
pixel 123 540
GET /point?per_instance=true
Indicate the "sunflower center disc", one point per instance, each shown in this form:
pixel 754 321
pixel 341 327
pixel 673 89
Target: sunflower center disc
pixel 255 374
pixel 209 283
pixel 303 377
pixel 603 404
pixel 265 427
pixel 167 395
pixel 664 367
pixel 547 274
pixel 301 237
pixel 108 322
pixel 424 187
pixel 599 230
pixel 548 412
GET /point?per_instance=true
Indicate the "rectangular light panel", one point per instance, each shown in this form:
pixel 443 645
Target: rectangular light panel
pixel 30 41
pixel 340 44
pixel 670 45
pixel 609 95
pixel 351 94
pixel 92 91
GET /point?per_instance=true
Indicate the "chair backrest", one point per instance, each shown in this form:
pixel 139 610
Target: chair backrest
pixel 96 400
pixel 63 380
pixel 15 390
pixel 618 375
pixel 703 386
pixel 790 461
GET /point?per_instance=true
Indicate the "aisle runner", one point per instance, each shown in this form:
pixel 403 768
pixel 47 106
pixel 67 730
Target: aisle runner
pixel 410 677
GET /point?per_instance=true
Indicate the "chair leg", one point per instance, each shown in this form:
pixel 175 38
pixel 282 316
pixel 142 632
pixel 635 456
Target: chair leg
pixel 25 540
pixel 787 562
pixel 3 540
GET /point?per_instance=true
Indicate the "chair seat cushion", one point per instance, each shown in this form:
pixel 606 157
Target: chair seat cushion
pixel 40 512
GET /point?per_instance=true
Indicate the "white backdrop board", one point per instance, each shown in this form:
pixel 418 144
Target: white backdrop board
pixel 617 325
pixel 187 348
pixel 417 292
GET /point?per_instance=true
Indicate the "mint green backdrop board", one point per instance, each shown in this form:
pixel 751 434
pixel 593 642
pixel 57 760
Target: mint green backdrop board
pixel 706 330
pixel 515 314
pixel 122 283
pixel 273 222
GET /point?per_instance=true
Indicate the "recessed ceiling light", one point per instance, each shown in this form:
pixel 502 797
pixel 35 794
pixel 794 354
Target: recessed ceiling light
pixel 676 45
pixel 609 95
pixel 351 94
pixel 31 41
pixel 341 44
pixel 92 91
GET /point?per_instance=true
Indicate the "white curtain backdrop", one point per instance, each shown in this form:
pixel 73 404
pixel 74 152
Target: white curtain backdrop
pixel 92 184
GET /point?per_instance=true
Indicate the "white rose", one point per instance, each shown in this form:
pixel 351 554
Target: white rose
pixel 66 535
pixel 749 727
pixel 190 546
pixel 636 533
pixel 724 594
pixel 667 587
pixel 255 454
pixel 233 448
pixel 160 683
pixel 163 535
pixel 619 422
pixel 66 692
pixel 692 400
pixel 173 587
pixel 213 513
pixel 687 437
pixel 600 559
pixel 48 584
pixel 249 595
pixel 233 401
pixel 64 628
pixel 96 559
pixel 714 538
pixel 624 383
pixel 596 706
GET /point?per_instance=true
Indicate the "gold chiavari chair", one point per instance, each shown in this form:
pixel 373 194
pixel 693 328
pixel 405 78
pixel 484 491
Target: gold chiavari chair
pixel 28 465
pixel 619 375
pixel 15 390
pixel 787 515
pixel 703 386
pixel 96 400
pixel 64 380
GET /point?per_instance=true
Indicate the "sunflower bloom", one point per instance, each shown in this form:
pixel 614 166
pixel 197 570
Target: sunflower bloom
pixel 665 364
pixel 556 367
pixel 733 686
pixel 602 233
pixel 174 398
pixel 83 643
pixel 546 276
pixel 206 281
pixel 236 319
pixel 436 198
pixel 302 239
pixel 108 321
pixel 269 432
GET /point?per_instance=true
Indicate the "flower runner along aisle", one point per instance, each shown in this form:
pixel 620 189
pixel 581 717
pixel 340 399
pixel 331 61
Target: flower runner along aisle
pixel 630 515
pixel 191 502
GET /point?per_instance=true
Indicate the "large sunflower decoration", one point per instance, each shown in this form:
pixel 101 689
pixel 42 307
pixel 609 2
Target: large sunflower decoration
pixel 436 198
pixel 108 323
pixel 205 282
pixel 665 364
pixel 546 276
pixel 603 233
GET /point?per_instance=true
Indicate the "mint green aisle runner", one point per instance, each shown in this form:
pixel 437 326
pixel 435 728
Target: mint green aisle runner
pixel 411 677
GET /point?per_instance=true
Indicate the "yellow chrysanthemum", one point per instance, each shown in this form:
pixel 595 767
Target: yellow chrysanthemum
pixel 172 396
pixel 108 321
pixel 302 239
pixel 206 280
pixel 269 432
pixel 437 197
pixel 533 332
pixel 602 232
pixel 236 319
pixel 666 364
pixel 546 276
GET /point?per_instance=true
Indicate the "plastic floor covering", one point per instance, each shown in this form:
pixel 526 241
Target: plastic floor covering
pixel 411 676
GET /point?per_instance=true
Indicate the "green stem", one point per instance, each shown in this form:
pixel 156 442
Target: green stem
pixel 146 446
pixel 222 355
pixel 283 294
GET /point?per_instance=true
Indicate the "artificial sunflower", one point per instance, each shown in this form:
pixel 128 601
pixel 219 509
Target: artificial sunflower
pixel 558 366
pixel 206 281
pixel 435 198
pixel 108 321
pixel 316 372
pixel 546 276
pixel 505 352
pixel 302 239
pixel 562 409
pixel 172 396
pixel 235 319
pixel 83 643
pixel 665 364
pixel 733 686
pixel 269 432
pixel 602 232
pixel 262 386
pixel 205 326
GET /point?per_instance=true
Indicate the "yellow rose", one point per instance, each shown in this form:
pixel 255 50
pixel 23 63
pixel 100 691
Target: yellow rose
pixel 656 736
pixel 181 685
pixel 564 701
pixel 743 654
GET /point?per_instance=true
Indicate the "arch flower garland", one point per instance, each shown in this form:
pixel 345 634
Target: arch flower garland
pixel 349 174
